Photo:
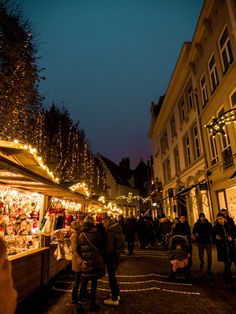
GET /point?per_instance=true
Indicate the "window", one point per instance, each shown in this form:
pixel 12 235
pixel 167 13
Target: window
pixel 226 152
pixel 173 126
pixel 213 148
pixel 233 99
pixel 225 141
pixel 182 110
pixel 196 142
pixel 164 142
pixel 225 50
pixel 177 162
pixel 204 93
pixel 166 169
pixel 190 98
pixel 213 73
pixel 187 150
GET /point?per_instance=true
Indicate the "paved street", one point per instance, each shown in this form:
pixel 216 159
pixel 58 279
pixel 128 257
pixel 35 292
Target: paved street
pixel 145 289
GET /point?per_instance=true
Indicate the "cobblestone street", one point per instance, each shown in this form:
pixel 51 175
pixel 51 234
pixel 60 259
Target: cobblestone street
pixel 145 288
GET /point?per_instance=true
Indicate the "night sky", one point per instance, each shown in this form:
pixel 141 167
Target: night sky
pixel 106 60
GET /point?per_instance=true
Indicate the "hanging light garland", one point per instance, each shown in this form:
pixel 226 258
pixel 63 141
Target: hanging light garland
pixel 130 198
pixel 34 153
pixel 217 125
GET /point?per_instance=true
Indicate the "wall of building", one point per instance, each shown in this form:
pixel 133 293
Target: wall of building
pixel 184 103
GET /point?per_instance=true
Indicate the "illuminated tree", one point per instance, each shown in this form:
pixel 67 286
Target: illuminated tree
pixel 58 140
pixel 20 103
pixel 67 152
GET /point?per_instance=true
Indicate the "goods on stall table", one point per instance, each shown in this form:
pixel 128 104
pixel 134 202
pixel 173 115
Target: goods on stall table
pixel 19 219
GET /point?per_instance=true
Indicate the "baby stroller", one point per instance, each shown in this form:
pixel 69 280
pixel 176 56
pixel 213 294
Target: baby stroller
pixel 179 258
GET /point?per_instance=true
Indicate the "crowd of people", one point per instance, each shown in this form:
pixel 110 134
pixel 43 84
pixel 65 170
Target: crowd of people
pixel 98 245
pixel 108 238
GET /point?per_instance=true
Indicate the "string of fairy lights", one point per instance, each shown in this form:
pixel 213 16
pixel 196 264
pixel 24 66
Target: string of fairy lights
pixel 218 124
pixel 33 151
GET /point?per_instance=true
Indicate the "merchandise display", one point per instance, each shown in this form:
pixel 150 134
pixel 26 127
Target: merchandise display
pixel 19 219
pixel 58 218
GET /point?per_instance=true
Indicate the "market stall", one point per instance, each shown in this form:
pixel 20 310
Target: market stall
pixel 27 188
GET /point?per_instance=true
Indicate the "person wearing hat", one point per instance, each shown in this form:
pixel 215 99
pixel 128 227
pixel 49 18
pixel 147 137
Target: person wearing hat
pixel 76 261
pixel 202 232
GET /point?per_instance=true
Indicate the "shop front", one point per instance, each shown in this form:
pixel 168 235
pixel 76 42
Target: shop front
pixel 227 199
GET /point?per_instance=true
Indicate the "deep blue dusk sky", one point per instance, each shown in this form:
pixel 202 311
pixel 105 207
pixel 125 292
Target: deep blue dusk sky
pixel 106 60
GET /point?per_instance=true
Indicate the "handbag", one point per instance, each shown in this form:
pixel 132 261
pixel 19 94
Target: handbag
pixel 90 243
pixel 99 257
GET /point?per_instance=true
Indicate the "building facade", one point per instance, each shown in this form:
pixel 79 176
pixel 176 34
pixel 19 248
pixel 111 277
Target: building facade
pixel 196 164
pixel 120 191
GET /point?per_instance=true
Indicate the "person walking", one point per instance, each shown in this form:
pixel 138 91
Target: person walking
pixel 76 261
pixel 225 245
pixel 131 229
pixel 114 245
pixel 91 248
pixel 202 232
pixel 121 221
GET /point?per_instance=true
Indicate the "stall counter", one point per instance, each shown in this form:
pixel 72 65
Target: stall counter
pixel 30 271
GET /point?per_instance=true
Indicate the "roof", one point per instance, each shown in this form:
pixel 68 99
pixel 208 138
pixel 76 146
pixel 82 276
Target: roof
pixel 116 172
pixel 21 168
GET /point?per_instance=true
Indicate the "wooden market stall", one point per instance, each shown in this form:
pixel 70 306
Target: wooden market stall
pixel 26 187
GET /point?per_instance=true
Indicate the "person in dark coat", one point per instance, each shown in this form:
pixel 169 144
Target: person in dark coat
pixel 114 245
pixel 183 228
pixel 202 231
pixel 131 229
pixel 76 259
pixel 91 249
pixel 164 230
pixel 142 232
pixel 229 219
pixel 225 245
pixel 121 221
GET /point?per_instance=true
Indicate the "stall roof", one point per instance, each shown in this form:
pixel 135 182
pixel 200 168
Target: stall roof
pixel 21 168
